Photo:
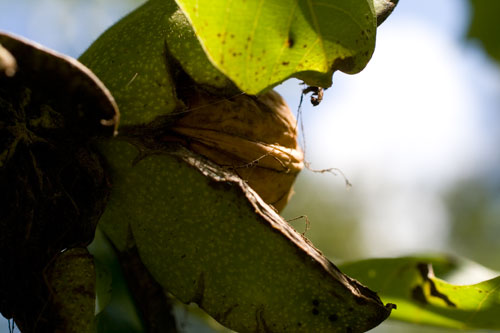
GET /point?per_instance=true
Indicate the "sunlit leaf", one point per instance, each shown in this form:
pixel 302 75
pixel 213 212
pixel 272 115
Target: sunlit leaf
pixel 423 298
pixel 259 44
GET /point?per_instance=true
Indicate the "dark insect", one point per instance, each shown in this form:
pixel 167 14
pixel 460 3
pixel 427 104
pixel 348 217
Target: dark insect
pixel 317 94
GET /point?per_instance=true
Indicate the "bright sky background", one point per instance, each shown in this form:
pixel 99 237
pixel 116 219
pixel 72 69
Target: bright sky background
pixel 420 116
pixel 417 119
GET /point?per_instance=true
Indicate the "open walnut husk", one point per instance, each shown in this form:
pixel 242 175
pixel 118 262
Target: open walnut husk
pixel 54 183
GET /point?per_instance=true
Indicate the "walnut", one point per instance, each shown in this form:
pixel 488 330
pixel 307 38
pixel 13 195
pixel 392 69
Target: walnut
pixel 254 136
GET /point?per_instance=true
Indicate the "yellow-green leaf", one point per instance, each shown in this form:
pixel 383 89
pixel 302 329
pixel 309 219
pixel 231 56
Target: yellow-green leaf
pixel 423 298
pixel 258 44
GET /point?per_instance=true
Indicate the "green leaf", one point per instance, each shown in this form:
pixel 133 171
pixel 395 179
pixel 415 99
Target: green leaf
pixel 422 298
pixel 259 44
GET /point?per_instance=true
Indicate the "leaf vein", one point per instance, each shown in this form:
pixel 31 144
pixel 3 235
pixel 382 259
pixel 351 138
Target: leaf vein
pixel 283 47
pixel 306 54
pixel 488 294
pixel 252 34
pixel 318 31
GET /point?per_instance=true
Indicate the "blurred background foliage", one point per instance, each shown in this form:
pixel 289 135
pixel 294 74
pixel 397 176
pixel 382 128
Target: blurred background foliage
pixel 415 198
pixel 483 26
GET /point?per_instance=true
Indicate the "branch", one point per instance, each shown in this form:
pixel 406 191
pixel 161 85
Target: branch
pixel 150 299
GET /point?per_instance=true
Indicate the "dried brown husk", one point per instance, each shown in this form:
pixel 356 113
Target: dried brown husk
pixel 54 183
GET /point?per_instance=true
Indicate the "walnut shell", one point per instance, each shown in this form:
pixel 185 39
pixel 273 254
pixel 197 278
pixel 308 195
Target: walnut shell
pixel 254 136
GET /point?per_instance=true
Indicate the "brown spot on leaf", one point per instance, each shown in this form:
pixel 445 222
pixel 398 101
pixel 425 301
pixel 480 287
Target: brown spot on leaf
pixel 418 295
pixel 344 65
pixel 427 273
pixel 436 293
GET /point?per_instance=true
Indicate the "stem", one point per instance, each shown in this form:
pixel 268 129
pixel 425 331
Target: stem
pixel 150 299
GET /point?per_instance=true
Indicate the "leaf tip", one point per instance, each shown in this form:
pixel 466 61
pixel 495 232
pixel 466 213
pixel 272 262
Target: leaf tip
pixel 384 8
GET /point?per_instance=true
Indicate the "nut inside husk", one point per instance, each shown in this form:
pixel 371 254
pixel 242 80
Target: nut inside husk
pixel 254 136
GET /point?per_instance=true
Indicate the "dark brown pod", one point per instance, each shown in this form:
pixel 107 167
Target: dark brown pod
pixel 54 185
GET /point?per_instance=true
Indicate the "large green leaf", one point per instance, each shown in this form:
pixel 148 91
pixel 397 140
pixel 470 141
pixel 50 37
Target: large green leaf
pixel 423 298
pixel 259 44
